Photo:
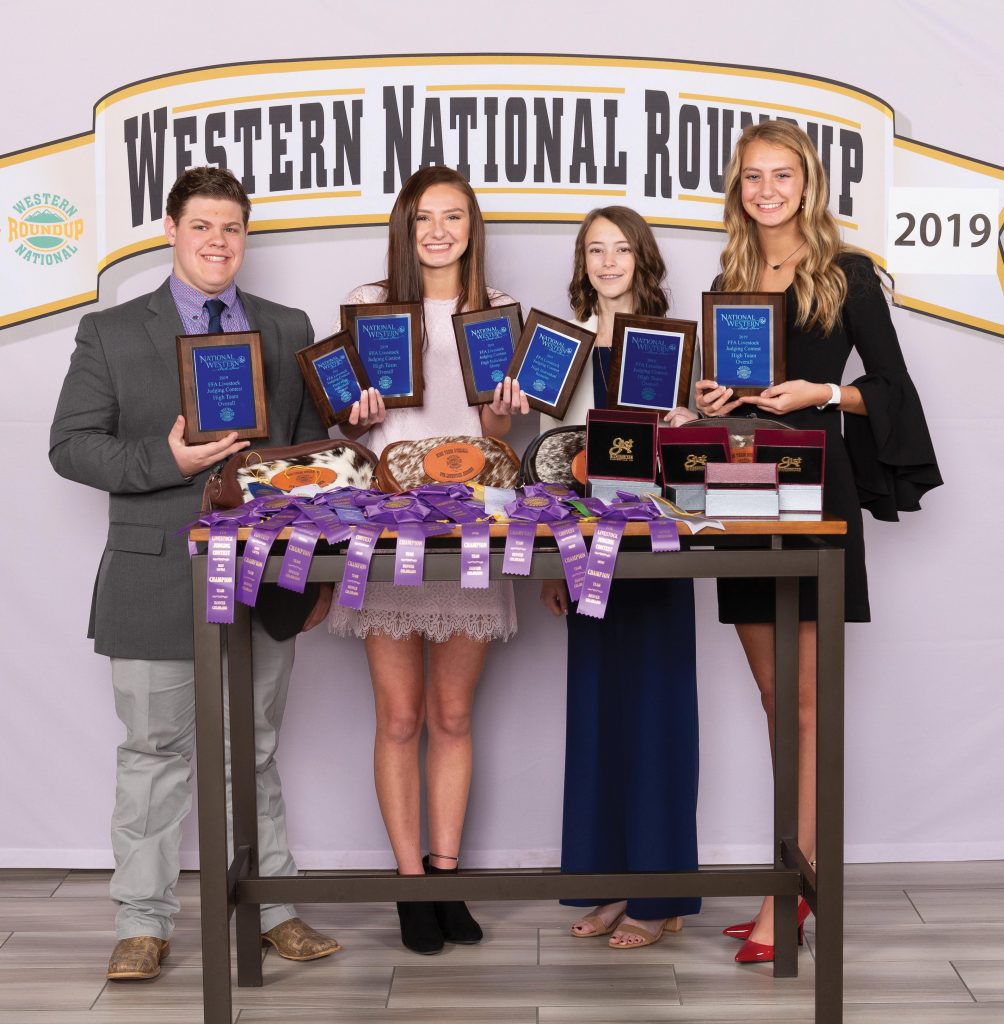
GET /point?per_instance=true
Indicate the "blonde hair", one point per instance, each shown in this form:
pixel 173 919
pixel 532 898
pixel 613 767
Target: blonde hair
pixel 820 283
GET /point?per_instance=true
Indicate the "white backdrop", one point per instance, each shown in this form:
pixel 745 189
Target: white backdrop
pixel 924 712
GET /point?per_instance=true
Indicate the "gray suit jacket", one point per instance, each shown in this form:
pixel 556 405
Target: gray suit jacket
pixel 118 403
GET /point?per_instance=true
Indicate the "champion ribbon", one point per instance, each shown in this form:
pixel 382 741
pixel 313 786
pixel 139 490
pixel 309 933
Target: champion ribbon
pixel 409 555
pixel 221 570
pixel 256 551
pixel 664 534
pixel 357 565
pixel 474 556
pixel 299 554
pixel 572 549
pixel 600 569
pixel 519 549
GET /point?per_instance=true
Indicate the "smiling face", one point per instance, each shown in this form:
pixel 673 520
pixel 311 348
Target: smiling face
pixel 610 261
pixel 442 226
pixel 208 240
pixel 773 183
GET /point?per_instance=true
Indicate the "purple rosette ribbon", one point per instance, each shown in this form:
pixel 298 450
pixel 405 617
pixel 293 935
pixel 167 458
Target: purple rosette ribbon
pixel 221 571
pixel 400 508
pixel 600 568
pixel 519 549
pixel 333 530
pixel 664 535
pixel 588 508
pixel 474 556
pixel 537 507
pixel 357 565
pixel 256 552
pixel 453 501
pixel 572 548
pixel 630 512
pixel 299 554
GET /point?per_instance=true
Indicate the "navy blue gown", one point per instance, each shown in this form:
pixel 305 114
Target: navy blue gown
pixel 631 748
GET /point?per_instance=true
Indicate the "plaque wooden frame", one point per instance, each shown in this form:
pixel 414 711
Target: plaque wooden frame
pixel 351 313
pixel 513 313
pixel 624 322
pixel 778 359
pixel 306 357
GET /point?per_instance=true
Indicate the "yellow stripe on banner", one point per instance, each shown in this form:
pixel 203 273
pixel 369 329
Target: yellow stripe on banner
pixel 757 104
pixel 948 314
pixel 296 223
pixel 702 199
pixel 876 259
pixel 49 307
pixel 846 223
pixel 47 150
pixel 353 194
pixel 950 158
pixel 491 191
pixel 1000 255
pixel 265 97
pixel 501 87
pixel 131 250
pixel 477 60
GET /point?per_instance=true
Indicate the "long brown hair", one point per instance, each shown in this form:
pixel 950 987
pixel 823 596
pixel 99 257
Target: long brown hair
pixel 820 284
pixel 649 267
pixel 404 272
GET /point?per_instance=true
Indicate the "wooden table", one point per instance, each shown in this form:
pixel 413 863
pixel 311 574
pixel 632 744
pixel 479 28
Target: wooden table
pixel 785 551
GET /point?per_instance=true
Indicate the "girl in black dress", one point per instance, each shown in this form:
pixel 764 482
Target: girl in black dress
pixel 783 238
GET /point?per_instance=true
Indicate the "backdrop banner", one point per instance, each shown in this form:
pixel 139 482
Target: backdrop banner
pixel 327 143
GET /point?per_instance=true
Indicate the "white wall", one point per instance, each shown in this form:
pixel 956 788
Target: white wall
pixel 925 716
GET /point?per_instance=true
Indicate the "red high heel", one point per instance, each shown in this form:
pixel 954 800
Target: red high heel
pixel 744 930
pixel 762 952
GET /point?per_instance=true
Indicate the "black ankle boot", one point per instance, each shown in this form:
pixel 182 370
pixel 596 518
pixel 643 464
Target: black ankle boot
pixel 455 921
pixel 420 930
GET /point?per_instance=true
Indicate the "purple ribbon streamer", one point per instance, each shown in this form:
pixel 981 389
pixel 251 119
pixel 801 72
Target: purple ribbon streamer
pixel 537 508
pixel 457 510
pixel 474 556
pixel 409 555
pixel 574 556
pixel 519 549
pixel 256 551
pixel 401 508
pixel 357 565
pixel 664 534
pixel 299 554
pixel 600 569
pixel 221 571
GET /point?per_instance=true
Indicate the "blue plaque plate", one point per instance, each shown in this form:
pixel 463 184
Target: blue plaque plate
pixel 337 378
pixel 744 346
pixel 650 369
pixel 385 345
pixel 224 387
pixel 490 344
pixel 546 364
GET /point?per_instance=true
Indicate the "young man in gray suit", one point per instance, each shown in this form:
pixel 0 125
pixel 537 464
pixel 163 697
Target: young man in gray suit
pixel 117 428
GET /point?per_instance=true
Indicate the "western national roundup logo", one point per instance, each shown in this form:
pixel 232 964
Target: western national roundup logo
pixel 44 229
pixel 542 138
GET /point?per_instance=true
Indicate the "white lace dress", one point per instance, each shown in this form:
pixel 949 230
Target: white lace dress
pixel 436 610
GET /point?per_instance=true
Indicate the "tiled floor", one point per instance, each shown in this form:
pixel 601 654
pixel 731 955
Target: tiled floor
pixel 924 945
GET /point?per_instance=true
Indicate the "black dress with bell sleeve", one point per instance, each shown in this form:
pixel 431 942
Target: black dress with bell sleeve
pixel 884 461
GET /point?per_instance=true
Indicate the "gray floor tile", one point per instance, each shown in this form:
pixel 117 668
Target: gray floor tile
pixel 46 915
pixel 29 882
pixel 89 949
pixel 4 936
pixel 49 988
pixel 984 978
pixel 686 1014
pixel 531 986
pixel 483 1015
pixel 912 1013
pixel 727 983
pixel 94 885
pixel 918 983
pixel 128 1015
pixel 959 905
pixel 938 874
pixel 922 942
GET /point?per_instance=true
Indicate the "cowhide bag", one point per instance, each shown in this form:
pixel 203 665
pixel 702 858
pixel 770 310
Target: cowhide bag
pixel 451 460
pixel 556 457
pixel 329 462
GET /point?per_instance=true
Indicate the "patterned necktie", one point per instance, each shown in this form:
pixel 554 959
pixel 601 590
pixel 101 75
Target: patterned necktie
pixel 214 307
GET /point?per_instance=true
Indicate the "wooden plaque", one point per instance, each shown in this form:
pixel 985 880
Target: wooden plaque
pixel 334 375
pixel 743 340
pixel 388 339
pixel 651 362
pixel 486 341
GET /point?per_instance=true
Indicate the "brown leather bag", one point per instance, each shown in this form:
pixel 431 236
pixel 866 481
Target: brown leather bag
pixel 451 460
pixel 326 462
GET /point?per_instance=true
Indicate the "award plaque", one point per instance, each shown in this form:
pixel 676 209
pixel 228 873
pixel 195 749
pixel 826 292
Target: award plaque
pixel 222 386
pixel 651 362
pixel 743 340
pixel 549 360
pixel 388 338
pixel 334 375
pixel 486 340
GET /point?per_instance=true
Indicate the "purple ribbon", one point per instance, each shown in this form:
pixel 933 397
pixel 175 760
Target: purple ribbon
pixel 519 549
pixel 299 554
pixel 256 551
pixel 357 565
pixel 664 534
pixel 573 552
pixel 537 508
pixel 588 507
pixel 221 571
pixel 474 556
pixel 333 530
pixel 409 555
pixel 401 508
pixel 600 569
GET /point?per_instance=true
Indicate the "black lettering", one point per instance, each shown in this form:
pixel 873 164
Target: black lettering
pixel 186 130
pixel 719 146
pixel 746 119
pixel 432 135
pixel 852 168
pixel 658 181
pixel 689 165
pixel 312 169
pixel 216 126
pixel 515 139
pixel 491 114
pixel 548 138
pixel 615 168
pixel 146 170
pixel 398 135
pixel 583 153
pixel 281 178
pixel 347 142
pixel 247 129
pixel 463 118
